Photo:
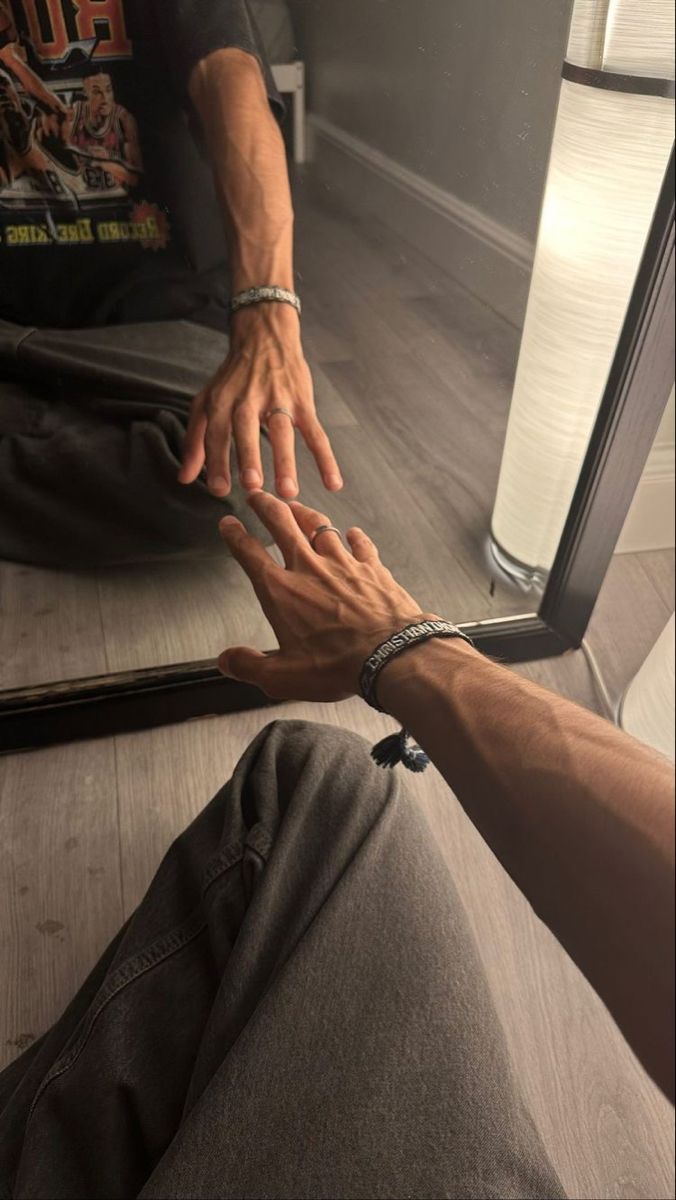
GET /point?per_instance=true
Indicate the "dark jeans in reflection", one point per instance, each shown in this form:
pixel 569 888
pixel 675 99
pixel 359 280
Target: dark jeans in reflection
pixel 297 1008
pixel 91 430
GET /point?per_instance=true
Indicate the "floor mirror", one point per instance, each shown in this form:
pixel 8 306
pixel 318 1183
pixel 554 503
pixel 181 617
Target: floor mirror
pixel 484 223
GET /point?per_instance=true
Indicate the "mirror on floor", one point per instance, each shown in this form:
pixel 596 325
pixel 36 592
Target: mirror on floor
pixel 468 230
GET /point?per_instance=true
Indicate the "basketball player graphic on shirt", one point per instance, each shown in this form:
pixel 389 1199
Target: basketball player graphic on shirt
pixel 74 152
pixel 19 151
pixel 104 135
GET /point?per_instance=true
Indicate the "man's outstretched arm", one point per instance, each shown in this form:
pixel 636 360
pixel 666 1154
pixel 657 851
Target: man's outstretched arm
pixel 579 814
pixel 266 366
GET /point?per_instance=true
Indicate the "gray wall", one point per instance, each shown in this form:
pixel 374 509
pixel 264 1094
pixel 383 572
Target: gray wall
pixel 463 92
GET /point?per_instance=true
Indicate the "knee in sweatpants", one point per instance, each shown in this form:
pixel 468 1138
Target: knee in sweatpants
pixel 327 752
pixel 297 738
pixel 325 766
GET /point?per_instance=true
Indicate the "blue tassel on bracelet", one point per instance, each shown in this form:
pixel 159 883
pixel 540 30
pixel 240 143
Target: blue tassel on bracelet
pixel 395 749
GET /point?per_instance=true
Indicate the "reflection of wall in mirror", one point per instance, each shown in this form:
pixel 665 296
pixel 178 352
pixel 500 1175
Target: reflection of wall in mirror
pixel 647 709
pixel 439 115
pixel 650 521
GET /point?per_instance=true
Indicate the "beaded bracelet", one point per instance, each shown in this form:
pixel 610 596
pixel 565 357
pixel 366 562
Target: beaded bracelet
pixel 395 748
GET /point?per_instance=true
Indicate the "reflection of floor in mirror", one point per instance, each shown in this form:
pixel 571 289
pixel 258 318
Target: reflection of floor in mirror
pixel 413 377
pixel 83 827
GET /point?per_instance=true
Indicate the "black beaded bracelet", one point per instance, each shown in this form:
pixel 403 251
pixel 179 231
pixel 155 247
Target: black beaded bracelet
pixel 395 748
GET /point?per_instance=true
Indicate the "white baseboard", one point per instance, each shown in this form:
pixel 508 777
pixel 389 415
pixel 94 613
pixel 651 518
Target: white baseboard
pixel 489 259
pixel 650 521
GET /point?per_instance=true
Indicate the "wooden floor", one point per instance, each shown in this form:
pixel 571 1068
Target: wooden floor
pixel 405 367
pixel 413 379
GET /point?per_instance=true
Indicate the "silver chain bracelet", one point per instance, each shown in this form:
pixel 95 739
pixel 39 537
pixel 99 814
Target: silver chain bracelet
pixel 265 295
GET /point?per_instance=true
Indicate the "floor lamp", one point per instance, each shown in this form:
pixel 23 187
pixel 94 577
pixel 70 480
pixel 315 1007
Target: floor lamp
pixel 611 145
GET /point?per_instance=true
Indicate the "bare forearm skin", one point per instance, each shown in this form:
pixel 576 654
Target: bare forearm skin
pixel 247 154
pixel 579 814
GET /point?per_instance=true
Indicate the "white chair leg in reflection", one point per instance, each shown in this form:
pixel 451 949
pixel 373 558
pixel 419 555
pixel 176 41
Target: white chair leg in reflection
pixel 290 80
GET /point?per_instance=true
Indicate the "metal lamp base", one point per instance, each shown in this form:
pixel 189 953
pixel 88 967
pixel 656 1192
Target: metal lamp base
pixel 521 575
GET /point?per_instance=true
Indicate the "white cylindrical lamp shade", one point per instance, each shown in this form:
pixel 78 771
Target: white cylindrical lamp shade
pixel 609 155
pixel 648 706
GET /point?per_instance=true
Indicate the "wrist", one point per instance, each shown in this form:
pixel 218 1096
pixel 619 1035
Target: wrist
pixel 263 256
pixel 271 317
pixel 420 669
pixel 262 271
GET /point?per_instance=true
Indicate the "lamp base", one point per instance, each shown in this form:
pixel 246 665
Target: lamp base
pixel 521 575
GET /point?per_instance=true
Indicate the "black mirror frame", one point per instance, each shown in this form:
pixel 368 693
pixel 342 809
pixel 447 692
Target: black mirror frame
pixel 635 397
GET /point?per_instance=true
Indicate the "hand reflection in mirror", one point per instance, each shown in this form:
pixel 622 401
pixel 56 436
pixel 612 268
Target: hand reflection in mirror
pixel 265 368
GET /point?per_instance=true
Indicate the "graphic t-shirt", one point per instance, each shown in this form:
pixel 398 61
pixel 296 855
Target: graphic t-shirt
pixel 107 207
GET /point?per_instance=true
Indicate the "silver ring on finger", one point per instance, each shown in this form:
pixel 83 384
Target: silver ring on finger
pixel 324 529
pixel 273 413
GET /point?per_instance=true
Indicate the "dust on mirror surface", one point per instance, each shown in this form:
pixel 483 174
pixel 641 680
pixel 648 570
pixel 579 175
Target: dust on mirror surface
pixel 425 130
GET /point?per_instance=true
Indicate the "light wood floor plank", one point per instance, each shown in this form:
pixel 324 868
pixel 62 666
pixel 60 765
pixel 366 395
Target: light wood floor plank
pixel 158 614
pixel 659 567
pixel 443 484
pixel 60 893
pixel 50 626
pixel 630 615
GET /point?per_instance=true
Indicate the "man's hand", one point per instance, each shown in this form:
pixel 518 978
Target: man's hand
pixel 265 369
pixel 329 609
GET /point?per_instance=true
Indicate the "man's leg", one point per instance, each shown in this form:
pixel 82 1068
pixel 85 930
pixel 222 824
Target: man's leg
pixel 91 432
pixel 296 1009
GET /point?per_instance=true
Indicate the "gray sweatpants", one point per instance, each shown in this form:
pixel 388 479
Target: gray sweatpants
pixel 91 430
pixel 296 1009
